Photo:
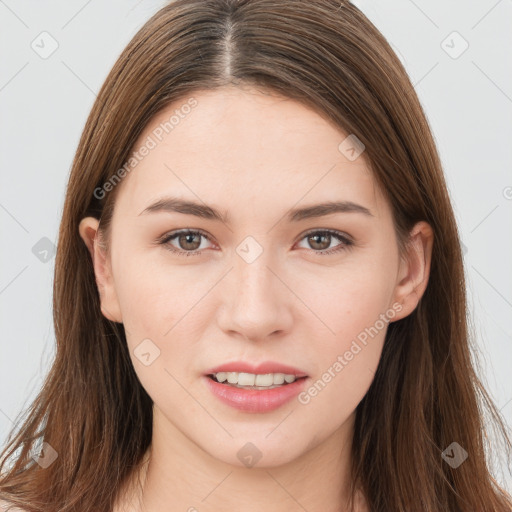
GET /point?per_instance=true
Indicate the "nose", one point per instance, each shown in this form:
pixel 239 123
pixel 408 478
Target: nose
pixel 256 300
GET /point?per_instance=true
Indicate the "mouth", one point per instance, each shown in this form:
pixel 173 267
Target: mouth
pixel 255 393
pixel 260 382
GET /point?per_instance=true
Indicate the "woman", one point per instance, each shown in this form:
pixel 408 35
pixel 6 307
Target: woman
pixel 313 354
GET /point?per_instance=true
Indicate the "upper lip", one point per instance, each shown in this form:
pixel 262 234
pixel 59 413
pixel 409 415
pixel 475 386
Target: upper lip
pixel 259 369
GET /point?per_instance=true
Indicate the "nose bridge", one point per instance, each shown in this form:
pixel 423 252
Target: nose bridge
pixel 253 280
pixel 255 284
pixel 255 305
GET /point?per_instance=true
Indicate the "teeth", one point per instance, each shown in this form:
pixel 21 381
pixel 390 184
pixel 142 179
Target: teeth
pixel 232 378
pixel 250 379
pixel 246 379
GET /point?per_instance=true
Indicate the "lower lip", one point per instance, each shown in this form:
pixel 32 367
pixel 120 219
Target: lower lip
pixel 254 400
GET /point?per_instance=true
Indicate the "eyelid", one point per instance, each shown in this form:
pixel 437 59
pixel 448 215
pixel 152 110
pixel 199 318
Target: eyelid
pixel 175 233
pixel 339 234
pixel 345 239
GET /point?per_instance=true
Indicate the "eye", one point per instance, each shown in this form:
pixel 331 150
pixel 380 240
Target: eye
pixel 189 241
pixel 314 239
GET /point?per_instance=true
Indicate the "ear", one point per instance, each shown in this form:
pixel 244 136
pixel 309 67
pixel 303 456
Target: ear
pixel 414 270
pixel 110 308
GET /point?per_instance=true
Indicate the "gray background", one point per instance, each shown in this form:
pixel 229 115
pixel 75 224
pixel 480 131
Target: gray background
pixel 44 102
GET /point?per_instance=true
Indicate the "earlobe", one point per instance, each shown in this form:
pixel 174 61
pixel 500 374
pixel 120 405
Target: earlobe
pixel 88 229
pixel 414 271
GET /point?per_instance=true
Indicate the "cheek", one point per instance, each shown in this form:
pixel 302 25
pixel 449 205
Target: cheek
pixel 154 296
pixel 346 359
pixel 350 300
pixel 353 306
pixel 165 305
pixel 158 316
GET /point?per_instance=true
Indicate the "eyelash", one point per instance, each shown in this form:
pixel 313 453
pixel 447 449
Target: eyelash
pixel 346 242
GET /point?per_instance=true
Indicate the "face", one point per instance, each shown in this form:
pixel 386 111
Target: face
pixel 313 290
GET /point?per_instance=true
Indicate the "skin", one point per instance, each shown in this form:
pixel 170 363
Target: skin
pixel 254 156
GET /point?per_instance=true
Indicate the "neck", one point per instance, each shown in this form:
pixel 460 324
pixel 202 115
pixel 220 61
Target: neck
pixel 177 475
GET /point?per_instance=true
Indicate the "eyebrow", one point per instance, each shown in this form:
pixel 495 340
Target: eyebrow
pixel 175 205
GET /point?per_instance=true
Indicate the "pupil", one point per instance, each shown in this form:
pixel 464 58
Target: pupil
pixel 188 240
pixel 315 241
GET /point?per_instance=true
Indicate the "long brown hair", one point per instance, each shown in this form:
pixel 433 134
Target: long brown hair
pixel 92 409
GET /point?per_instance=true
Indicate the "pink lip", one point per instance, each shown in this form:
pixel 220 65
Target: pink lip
pixel 260 369
pixel 254 400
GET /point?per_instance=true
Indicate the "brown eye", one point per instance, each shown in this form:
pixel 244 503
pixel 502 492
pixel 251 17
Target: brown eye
pixel 188 242
pixel 320 241
pixel 315 241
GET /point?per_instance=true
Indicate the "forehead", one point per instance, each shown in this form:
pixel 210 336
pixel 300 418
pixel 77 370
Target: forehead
pixel 241 147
